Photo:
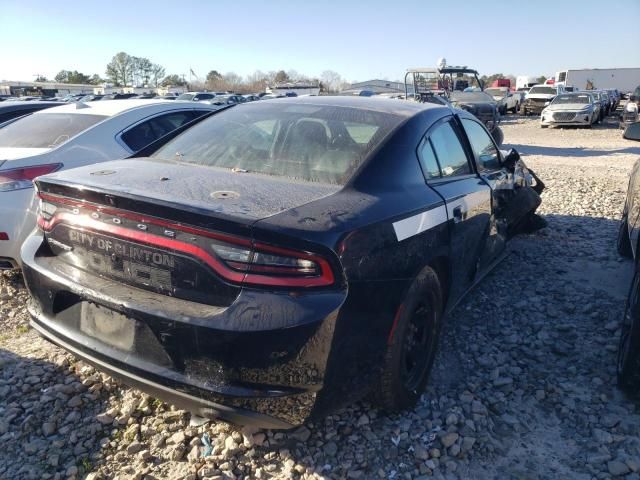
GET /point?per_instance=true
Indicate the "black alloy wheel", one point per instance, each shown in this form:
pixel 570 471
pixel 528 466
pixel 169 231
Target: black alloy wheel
pixel 412 344
pixel 418 346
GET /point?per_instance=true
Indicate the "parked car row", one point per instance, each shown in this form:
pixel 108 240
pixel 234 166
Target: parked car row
pixel 540 96
pixel 190 96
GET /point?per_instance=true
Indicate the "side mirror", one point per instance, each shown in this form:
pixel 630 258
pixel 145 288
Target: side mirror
pixel 632 132
pixel 511 158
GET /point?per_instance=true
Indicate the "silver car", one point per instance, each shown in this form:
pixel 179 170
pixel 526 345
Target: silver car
pixel 579 109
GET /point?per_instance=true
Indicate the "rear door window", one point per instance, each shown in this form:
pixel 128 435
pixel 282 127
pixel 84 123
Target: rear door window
pixel 428 160
pixel 486 153
pixel 151 130
pixel 449 151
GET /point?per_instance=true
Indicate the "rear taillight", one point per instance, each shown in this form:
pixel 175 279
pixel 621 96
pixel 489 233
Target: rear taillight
pixel 269 265
pixel 235 259
pixel 20 178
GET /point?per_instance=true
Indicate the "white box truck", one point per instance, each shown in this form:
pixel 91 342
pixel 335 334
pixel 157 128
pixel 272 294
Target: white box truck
pixel 623 79
pixel 525 82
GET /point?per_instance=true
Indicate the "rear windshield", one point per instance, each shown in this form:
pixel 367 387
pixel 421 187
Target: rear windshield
pixel 582 99
pixel 186 96
pixel 544 90
pixel 46 130
pixel 314 143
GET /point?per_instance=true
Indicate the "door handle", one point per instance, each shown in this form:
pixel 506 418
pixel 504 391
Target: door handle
pixel 458 214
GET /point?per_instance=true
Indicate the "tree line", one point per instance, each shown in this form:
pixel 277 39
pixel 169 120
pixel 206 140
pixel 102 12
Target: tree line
pixel 129 70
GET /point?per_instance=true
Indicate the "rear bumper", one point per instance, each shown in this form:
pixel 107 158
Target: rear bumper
pixel 17 220
pixel 260 361
pixel 180 399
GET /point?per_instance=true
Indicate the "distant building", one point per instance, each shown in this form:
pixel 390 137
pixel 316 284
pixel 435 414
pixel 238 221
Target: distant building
pixel 47 89
pixel 377 87
pixel 53 89
pixel 299 88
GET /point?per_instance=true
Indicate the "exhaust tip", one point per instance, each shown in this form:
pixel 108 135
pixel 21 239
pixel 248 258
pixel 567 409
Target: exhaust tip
pixel 7 264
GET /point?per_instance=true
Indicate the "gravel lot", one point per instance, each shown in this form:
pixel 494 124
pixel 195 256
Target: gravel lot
pixel 524 386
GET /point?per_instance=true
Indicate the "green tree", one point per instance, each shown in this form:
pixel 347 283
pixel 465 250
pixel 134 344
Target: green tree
pixel 157 74
pixel 120 68
pixel 541 79
pixel 68 76
pixel 281 77
pixel 173 81
pixel 41 78
pixel 95 79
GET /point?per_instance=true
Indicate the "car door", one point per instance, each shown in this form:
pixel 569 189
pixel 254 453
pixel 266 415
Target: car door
pixel 488 163
pixel 448 169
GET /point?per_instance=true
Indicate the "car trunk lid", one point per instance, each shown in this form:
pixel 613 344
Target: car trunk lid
pixel 158 227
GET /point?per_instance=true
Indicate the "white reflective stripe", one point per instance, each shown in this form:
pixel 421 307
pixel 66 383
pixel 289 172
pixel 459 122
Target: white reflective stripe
pixel 410 226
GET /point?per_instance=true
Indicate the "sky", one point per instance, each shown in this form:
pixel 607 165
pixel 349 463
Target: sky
pixel 359 40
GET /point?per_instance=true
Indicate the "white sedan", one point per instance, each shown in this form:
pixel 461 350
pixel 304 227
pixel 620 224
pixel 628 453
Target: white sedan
pixel 70 136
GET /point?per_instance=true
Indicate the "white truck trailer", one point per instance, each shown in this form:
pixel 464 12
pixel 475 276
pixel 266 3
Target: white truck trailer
pixel 623 79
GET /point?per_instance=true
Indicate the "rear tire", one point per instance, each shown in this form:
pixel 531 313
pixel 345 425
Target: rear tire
pixel 413 344
pixel 623 244
pixel 628 361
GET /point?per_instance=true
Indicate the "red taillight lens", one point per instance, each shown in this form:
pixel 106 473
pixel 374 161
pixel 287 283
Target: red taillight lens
pixel 269 265
pixel 19 178
pixel 235 259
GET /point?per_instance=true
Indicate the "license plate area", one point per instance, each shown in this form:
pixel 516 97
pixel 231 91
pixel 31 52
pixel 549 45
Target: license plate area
pixel 108 326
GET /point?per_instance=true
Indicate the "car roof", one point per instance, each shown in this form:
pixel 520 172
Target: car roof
pixel 406 108
pixel 15 106
pixel 107 108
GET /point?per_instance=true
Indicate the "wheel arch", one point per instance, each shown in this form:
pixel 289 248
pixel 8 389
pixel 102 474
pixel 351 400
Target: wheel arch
pixel 442 266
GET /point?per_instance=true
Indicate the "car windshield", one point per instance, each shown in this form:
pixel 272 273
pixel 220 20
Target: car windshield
pixel 496 92
pixel 46 130
pixel 581 99
pixel 543 90
pixel 471 97
pixel 186 96
pixel 313 143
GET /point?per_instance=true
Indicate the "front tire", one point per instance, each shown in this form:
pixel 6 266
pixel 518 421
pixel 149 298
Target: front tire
pixel 628 362
pixel 412 344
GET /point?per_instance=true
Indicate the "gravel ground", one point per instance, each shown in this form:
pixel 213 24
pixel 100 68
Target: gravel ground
pixel 523 387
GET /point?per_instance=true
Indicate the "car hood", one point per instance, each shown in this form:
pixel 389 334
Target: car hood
pixel 541 96
pixel 12 153
pixel 207 189
pixel 567 106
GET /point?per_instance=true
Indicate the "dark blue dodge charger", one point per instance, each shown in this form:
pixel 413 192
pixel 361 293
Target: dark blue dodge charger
pixel 277 259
